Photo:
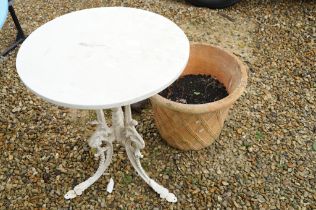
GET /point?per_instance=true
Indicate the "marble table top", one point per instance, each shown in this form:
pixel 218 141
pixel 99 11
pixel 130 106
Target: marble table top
pixel 102 57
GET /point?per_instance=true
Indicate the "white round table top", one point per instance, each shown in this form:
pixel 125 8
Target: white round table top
pixel 102 57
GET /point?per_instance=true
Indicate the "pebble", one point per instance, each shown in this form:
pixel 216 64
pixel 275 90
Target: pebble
pixel 225 183
pixel 261 199
pixel 10 157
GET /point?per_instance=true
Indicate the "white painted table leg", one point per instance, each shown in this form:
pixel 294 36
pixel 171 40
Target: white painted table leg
pixel 103 134
pixel 123 130
pixel 133 143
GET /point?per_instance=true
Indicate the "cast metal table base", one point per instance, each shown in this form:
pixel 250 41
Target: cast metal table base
pixel 122 130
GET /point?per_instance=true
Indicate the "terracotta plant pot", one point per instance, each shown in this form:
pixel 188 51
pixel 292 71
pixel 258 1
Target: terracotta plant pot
pixel 196 126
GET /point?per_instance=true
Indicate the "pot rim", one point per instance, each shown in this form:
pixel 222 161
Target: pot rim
pixel 212 106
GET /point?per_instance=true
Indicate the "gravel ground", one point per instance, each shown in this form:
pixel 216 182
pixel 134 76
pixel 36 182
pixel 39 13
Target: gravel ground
pixel 264 158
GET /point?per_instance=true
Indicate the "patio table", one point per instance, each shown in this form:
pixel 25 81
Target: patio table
pixel 105 58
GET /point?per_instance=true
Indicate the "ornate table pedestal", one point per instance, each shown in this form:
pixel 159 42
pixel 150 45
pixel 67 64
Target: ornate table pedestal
pixel 123 131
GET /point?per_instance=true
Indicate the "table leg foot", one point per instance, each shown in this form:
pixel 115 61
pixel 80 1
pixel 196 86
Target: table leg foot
pixel 104 163
pixel 163 192
pixel 133 143
pixel 101 136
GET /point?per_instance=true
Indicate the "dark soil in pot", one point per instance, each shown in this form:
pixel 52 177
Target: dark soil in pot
pixel 195 89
